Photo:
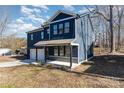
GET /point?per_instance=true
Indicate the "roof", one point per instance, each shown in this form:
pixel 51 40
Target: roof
pixel 54 42
pixel 61 11
pixel 35 30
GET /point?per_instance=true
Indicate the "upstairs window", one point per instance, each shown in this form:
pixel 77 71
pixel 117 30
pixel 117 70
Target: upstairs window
pixel 32 37
pixel 42 35
pixel 66 28
pixel 60 28
pixel 55 29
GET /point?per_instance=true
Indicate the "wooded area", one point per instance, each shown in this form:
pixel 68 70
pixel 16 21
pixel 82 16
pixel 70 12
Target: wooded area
pixel 109 28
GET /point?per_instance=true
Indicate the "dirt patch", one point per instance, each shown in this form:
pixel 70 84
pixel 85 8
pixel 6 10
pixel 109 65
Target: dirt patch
pixel 11 58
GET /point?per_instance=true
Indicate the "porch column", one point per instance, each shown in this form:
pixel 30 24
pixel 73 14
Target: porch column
pixel 64 50
pixel 70 56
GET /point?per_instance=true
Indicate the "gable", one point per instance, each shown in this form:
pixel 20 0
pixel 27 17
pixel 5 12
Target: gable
pixel 61 16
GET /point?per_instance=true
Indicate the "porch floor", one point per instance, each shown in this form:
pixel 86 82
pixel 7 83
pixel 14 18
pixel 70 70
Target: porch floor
pixel 62 63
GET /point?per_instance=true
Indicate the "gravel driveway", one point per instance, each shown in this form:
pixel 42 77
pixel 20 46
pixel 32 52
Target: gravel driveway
pixel 16 63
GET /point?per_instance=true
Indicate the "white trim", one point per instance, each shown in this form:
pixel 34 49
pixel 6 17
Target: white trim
pixel 86 60
pixel 57 13
pixel 61 20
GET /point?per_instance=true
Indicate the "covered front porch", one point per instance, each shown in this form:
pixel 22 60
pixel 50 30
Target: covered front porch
pixel 60 52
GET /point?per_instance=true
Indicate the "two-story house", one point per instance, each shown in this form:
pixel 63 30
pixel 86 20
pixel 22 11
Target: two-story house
pixel 65 37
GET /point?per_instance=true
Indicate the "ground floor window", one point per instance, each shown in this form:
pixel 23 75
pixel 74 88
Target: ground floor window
pixel 67 51
pixel 61 50
pixel 55 51
pixel 75 51
pixel 64 51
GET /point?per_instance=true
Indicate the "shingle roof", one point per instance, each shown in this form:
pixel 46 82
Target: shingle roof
pixel 35 30
pixel 54 42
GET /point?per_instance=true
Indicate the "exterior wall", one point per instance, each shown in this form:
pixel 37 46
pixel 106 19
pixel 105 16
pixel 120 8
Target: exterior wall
pixel 69 35
pixel 83 37
pixel 36 37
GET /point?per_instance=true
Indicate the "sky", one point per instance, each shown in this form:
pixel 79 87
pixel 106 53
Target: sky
pixel 24 18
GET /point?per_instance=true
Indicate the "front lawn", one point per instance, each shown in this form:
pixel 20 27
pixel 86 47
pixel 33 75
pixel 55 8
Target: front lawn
pixel 86 75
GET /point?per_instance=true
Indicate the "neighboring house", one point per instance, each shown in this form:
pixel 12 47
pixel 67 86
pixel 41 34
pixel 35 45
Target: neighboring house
pixel 65 37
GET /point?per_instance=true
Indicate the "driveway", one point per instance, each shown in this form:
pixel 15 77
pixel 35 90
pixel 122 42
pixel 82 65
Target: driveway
pixel 17 63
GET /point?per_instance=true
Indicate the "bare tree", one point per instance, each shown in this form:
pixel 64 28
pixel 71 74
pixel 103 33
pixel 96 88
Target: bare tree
pixel 3 24
pixel 108 16
pixel 117 21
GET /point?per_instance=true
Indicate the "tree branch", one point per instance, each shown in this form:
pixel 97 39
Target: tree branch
pixel 103 16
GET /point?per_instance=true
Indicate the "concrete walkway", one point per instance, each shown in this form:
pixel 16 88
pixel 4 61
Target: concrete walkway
pixel 17 63
pixel 27 62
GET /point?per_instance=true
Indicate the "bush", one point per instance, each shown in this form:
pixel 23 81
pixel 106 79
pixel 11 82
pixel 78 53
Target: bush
pixel 63 67
pixel 49 66
pixel 41 62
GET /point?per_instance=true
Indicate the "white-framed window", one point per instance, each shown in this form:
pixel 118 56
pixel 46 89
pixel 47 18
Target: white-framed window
pixel 32 36
pixel 42 35
pixel 60 28
pixel 54 29
pixel 67 27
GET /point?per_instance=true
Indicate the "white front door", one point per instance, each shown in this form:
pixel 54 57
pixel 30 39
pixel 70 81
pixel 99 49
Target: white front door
pixel 40 54
pixel 33 54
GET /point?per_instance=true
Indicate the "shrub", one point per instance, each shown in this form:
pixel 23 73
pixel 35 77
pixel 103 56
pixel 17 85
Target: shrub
pixel 63 67
pixel 41 62
pixel 49 66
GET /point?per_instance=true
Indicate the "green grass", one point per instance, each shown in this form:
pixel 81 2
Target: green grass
pixel 7 86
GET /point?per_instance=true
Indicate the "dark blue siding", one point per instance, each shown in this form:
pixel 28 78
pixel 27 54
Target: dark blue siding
pixel 69 35
pixel 46 35
pixel 36 37
pixel 61 16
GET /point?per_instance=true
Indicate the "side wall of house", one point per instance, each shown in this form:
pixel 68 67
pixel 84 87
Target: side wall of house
pixel 83 37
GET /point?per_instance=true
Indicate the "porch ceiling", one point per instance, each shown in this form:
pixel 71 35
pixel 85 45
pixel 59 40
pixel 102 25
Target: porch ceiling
pixel 54 42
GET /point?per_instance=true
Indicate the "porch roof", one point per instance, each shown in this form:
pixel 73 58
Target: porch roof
pixel 54 42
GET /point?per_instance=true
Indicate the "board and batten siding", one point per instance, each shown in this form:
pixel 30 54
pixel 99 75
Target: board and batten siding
pixel 69 35
pixel 83 37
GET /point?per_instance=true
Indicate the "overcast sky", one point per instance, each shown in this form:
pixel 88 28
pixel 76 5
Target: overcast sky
pixel 26 18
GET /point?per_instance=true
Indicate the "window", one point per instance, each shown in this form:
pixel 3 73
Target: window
pixel 55 29
pixel 48 31
pixel 61 51
pixel 42 35
pixel 55 51
pixel 75 51
pixel 31 36
pixel 60 28
pixel 67 53
pixel 67 26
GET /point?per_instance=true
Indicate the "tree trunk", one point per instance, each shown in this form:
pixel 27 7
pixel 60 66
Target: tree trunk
pixel 111 30
pixel 118 38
